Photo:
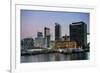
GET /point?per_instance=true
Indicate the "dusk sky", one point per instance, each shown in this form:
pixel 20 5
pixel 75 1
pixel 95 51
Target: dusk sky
pixel 33 21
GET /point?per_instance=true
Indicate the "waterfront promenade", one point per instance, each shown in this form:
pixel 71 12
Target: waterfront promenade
pixel 46 51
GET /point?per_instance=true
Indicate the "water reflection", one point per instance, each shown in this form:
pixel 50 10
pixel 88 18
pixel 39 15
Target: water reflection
pixel 54 57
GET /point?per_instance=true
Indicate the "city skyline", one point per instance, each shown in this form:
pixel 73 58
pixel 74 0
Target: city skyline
pixel 33 21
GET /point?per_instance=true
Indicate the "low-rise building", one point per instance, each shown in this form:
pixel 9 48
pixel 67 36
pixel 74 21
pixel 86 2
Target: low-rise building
pixel 27 43
pixel 65 43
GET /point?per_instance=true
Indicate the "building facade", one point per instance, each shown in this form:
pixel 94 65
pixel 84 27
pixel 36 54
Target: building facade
pixel 57 32
pixel 65 43
pixel 47 37
pixel 78 33
pixel 39 41
pixel 27 43
pixel 39 34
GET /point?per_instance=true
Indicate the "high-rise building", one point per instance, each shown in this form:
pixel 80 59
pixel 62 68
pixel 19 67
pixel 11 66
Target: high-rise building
pixel 39 41
pixel 47 37
pixel 39 34
pixel 57 32
pixel 78 33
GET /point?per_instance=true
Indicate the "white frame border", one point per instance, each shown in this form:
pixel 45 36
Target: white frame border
pixel 16 66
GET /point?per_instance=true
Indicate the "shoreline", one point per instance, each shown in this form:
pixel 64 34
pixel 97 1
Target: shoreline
pixel 51 51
